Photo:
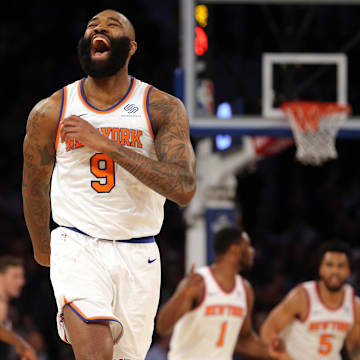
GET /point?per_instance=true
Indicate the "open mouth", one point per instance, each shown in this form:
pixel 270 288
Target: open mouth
pixel 100 47
pixel 334 279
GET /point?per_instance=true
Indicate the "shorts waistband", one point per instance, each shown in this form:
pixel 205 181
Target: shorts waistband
pixel 141 240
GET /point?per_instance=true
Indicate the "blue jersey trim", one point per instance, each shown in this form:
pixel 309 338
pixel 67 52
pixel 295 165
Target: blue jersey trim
pixel 147 110
pixel 90 320
pixel 142 240
pixel 62 105
pixel 110 108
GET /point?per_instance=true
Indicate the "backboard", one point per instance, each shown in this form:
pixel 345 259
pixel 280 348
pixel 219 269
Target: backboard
pixel 262 53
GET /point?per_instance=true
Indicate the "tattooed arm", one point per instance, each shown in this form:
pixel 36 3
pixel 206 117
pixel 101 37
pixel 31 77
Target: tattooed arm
pixel 173 174
pixel 39 157
pixel 353 338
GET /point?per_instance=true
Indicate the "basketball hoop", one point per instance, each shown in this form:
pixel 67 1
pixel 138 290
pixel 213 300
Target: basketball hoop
pixel 315 125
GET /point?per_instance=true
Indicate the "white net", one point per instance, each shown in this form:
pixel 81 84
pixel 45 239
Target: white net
pixel 315 130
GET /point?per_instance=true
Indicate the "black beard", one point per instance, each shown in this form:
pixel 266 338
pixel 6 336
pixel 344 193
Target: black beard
pixel 333 289
pixel 119 52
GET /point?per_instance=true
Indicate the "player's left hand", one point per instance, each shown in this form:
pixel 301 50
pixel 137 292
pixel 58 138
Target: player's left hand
pixel 76 128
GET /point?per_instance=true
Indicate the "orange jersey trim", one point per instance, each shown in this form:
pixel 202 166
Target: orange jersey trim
pixel 224 291
pixel 65 339
pixel 354 305
pixel 323 302
pixel 112 108
pixel 146 110
pixel 61 116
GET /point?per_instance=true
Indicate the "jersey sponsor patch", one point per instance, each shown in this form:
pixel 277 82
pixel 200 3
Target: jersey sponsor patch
pixel 131 108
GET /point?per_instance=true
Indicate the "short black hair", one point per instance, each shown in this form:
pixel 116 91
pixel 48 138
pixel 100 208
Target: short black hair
pixel 335 246
pixel 8 260
pixel 224 238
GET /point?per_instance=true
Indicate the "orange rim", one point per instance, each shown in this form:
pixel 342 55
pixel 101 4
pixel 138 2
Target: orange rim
pixel 308 113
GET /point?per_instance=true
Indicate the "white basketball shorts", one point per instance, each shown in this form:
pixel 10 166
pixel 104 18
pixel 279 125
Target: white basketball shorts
pixel 104 280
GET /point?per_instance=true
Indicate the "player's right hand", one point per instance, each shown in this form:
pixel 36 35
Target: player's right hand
pixel 193 281
pixel 42 259
pixel 26 352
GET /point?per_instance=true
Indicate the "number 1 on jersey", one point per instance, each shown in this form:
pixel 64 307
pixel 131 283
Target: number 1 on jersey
pixel 102 167
pixel 220 341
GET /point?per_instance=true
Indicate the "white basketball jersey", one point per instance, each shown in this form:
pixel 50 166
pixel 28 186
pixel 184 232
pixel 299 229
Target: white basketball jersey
pixel 210 331
pixel 321 335
pixel 89 191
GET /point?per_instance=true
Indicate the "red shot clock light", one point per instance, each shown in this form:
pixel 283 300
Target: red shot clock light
pixel 201 41
pixel 201 37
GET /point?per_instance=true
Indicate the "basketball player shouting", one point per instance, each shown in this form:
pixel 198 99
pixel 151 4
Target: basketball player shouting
pixel 210 312
pixel 317 317
pixel 114 148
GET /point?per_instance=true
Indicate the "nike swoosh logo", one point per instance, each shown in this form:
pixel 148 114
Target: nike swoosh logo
pixel 81 115
pixel 151 260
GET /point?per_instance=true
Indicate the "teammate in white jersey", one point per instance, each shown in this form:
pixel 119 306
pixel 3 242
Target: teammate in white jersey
pixel 210 312
pixel 114 148
pixel 317 317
